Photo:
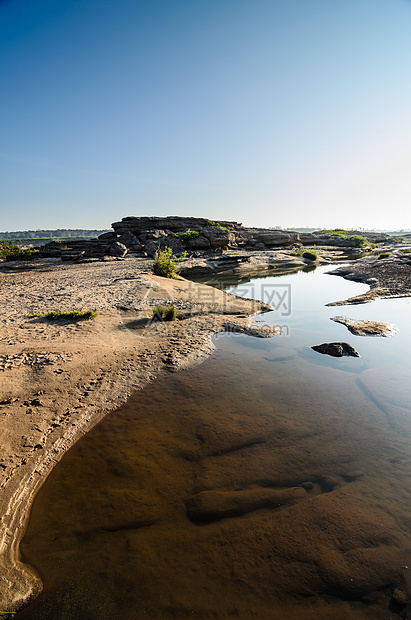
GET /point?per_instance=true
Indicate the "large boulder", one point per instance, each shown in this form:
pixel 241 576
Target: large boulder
pixel 118 249
pixel 175 244
pixel 274 237
pixel 128 239
pixel 151 247
pixel 198 243
pixel 156 234
pixel 108 236
pixel 217 237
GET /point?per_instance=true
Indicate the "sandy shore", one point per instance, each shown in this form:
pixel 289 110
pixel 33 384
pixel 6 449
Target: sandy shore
pixel 60 378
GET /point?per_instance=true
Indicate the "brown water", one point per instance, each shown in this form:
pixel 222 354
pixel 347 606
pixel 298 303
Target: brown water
pixel 270 482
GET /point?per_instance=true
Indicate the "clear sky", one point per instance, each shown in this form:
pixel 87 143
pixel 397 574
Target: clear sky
pixel 268 112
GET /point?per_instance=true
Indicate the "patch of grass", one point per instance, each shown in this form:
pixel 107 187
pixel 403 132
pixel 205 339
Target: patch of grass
pixel 310 255
pixel 305 250
pixel 384 255
pixel 406 251
pixel 11 251
pixel 360 242
pixel 186 236
pixel 215 224
pixel 165 314
pixel 165 263
pixel 55 315
pixel 340 233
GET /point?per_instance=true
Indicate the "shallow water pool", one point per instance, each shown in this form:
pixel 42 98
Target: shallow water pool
pixel 270 482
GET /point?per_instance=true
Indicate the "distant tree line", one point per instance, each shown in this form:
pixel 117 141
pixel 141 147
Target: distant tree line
pixel 50 234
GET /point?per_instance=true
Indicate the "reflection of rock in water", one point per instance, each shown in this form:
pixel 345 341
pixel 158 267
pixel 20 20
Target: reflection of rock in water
pixel 283 483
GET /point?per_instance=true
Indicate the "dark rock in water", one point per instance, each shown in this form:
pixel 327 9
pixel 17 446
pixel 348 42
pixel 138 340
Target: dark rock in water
pixel 336 349
pixel 118 249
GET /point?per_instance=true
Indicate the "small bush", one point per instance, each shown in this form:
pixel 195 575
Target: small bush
pixel 310 255
pixel 165 314
pixel 186 236
pixel 158 313
pixel 165 263
pixel 384 255
pixel 171 314
pixel 11 251
pixel 406 251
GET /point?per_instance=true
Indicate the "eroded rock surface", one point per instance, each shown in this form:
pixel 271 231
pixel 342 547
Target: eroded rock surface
pixel 366 328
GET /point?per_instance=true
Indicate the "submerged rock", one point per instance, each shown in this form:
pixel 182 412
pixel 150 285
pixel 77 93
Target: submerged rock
pixel 214 505
pixel 366 328
pixel 336 349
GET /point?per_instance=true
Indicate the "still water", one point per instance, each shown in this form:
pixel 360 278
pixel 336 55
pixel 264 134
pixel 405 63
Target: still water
pixel 270 482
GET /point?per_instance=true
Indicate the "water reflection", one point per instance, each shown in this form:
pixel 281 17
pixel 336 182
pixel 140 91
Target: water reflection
pixel 270 482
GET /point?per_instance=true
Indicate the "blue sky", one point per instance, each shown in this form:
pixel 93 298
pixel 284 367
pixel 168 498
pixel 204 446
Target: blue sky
pixel 268 112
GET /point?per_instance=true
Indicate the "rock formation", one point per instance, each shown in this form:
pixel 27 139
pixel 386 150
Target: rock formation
pixel 143 236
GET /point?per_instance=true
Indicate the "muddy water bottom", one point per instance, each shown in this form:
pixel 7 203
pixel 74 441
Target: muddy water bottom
pixel 258 485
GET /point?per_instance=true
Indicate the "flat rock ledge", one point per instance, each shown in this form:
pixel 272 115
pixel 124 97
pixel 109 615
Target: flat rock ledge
pixel 336 349
pixel 367 328
pixel 390 277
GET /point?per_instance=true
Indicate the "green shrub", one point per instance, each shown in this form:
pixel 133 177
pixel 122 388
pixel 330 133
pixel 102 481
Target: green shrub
pixel 406 251
pixel 165 314
pixel 171 314
pixel 216 224
pixel 75 315
pixel 186 236
pixel 310 255
pixel 158 313
pixel 11 251
pixel 165 263
pixel 360 242
pixel 384 255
